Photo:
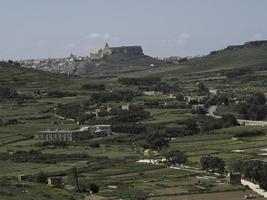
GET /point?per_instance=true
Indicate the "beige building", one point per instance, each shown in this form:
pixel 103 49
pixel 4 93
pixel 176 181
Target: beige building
pixel 126 50
pixel 83 133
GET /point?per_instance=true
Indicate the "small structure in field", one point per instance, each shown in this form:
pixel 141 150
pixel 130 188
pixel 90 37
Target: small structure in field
pixel 22 177
pixel 54 181
pixel 234 178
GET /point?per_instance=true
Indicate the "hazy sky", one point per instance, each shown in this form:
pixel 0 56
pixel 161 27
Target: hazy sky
pixel 56 28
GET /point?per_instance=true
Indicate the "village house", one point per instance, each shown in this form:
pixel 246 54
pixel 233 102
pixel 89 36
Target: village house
pixel 125 106
pixel 234 178
pixel 188 99
pixel 22 177
pixel 213 91
pixel 198 107
pixel 54 181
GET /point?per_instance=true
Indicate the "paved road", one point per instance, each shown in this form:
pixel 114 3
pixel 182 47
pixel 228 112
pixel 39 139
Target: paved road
pixel 212 110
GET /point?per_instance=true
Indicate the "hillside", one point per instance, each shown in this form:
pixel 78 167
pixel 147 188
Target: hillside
pixel 232 67
pixel 143 112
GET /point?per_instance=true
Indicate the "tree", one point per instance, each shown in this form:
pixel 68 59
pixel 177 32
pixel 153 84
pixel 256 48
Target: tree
pixel 191 125
pixel 229 120
pixel 202 87
pixel 41 177
pixel 75 178
pixel 257 99
pixel 94 145
pixel 94 188
pixel 156 140
pixel 7 93
pixel 212 163
pixel 176 157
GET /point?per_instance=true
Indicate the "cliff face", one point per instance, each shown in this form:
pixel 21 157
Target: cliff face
pixel 129 50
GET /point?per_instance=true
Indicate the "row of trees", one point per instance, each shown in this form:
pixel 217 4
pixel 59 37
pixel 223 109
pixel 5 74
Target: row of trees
pixel 253 170
pixel 131 128
pixel 124 95
pixel 93 86
pixel 162 87
pixel 210 124
pixel 60 94
pixel 34 156
pixel 134 114
pixel 250 133
pixel 140 81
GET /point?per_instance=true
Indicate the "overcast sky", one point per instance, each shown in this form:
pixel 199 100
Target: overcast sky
pixel 56 28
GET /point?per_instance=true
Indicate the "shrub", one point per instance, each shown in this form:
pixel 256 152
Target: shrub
pixel 41 178
pixel 92 86
pixel 251 133
pixel 94 188
pixel 7 93
pixel 60 94
pixel 212 163
pixel 176 157
pixel 94 145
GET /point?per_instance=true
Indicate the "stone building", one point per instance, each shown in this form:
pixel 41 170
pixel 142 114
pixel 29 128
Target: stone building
pixel 75 135
pixel 54 181
pixel 124 50
pixel 234 178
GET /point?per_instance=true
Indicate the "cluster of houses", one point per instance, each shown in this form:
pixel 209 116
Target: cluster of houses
pixel 53 64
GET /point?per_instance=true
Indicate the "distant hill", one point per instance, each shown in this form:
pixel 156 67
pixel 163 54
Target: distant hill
pixel 252 56
pixel 24 79
pixel 108 61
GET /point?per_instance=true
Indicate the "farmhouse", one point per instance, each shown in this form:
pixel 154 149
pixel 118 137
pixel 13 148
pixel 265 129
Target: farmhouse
pixel 234 178
pixel 54 181
pixel 74 135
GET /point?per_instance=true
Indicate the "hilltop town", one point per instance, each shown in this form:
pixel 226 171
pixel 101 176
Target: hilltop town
pixel 78 65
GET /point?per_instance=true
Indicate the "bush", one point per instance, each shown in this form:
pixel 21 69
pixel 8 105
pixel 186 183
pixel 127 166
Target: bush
pixel 41 178
pixel 125 95
pixel 139 81
pixel 254 108
pixel 175 157
pixel 7 93
pixel 92 86
pixel 60 94
pixel 94 145
pixel 251 133
pixel 94 188
pixel 212 163
pixel 156 140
